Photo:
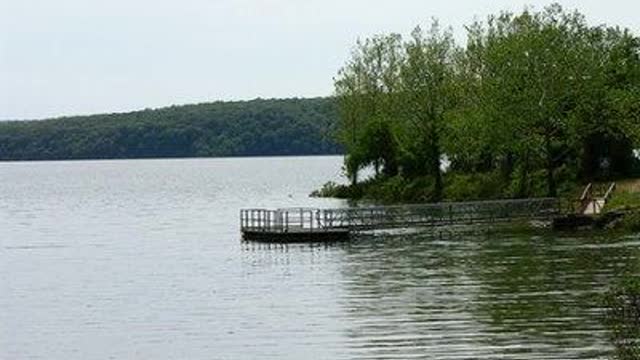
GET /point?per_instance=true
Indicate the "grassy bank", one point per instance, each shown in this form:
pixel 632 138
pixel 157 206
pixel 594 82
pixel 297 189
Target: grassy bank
pixel 457 187
pixel 622 211
pixel 626 199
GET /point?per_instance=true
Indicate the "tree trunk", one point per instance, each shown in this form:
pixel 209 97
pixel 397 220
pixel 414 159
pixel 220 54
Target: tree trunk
pixel 551 181
pixel 438 186
pixel 589 160
pixel 434 160
pixel 390 168
pixel 523 189
pixel 506 168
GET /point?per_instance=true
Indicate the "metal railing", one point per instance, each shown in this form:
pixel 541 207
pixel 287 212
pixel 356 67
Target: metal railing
pixel 593 204
pixel 399 216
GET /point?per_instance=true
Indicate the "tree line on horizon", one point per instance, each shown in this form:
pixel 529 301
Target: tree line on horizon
pixel 533 101
pixel 246 128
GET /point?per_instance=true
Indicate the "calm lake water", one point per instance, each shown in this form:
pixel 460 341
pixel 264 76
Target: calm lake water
pixel 143 260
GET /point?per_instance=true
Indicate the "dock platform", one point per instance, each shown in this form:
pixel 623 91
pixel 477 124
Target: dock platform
pixel 327 225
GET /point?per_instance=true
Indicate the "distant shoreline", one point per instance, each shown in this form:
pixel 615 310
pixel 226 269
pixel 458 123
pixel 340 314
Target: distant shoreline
pixel 276 127
pixel 239 157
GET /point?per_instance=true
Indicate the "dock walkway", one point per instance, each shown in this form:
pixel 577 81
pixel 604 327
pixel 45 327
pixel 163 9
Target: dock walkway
pixel 310 224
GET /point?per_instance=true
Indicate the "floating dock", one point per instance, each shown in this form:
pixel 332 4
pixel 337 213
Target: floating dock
pixel 326 225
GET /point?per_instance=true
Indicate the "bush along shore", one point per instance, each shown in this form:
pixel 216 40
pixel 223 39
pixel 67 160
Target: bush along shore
pixel 535 104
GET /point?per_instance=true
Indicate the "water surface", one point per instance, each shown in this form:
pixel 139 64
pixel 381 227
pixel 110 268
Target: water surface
pixel 143 259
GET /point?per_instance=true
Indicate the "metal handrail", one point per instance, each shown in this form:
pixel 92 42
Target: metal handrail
pixel 607 195
pixel 587 191
pixel 313 219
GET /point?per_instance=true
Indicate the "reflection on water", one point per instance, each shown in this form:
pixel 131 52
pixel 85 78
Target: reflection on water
pixel 143 260
pixel 473 296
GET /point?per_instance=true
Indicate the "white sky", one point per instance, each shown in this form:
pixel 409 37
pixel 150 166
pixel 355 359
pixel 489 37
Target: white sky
pixel 66 57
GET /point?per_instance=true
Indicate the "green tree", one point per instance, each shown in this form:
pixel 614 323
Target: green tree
pixel 428 95
pixel 247 128
pixel 532 67
pixel 607 114
pixel 366 89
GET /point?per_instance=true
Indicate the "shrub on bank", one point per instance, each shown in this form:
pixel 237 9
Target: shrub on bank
pixel 463 187
pixel 339 191
pixel 631 222
pixel 459 187
pixel 382 189
pixel 400 189
pixel 624 200
pixel 478 186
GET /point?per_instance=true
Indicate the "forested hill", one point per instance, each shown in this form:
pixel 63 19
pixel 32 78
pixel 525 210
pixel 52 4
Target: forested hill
pixel 245 128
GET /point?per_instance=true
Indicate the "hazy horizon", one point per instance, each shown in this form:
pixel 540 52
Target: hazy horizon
pixel 73 57
pixel 161 107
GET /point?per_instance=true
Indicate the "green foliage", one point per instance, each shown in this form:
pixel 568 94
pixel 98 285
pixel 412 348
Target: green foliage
pixel 476 186
pixel 252 128
pixel 400 189
pixel 334 190
pixel 384 189
pixel 540 100
pixel 378 147
pixel 366 89
pixel 624 200
pixel 428 96
pixel 631 220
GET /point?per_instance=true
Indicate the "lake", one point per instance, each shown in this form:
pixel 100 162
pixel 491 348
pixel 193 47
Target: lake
pixel 142 259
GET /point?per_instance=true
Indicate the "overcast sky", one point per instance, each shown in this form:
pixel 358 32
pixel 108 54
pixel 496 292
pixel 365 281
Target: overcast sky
pixel 66 57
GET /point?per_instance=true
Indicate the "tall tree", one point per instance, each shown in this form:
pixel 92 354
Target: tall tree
pixel 533 64
pixel 366 88
pixel 428 94
pixel 531 93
